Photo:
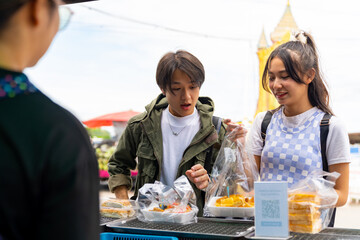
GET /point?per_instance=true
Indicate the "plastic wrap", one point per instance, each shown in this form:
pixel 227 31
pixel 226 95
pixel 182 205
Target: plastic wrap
pixel 118 208
pixel 161 203
pixel 311 202
pixel 230 191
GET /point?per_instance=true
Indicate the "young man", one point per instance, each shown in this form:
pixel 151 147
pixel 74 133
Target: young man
pixel 172 137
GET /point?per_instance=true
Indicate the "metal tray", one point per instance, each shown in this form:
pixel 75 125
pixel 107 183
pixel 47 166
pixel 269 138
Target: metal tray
pixel 205 228
pixel 341 231
pixel 326 234
pixel 106 220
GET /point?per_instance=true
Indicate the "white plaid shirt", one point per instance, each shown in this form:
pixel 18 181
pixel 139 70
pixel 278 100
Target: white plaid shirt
pixel 290 154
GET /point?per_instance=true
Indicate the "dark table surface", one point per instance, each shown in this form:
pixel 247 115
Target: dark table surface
pixel 214 228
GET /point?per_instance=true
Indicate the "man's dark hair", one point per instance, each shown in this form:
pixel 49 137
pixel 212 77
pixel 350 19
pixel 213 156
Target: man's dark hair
pixel 183 61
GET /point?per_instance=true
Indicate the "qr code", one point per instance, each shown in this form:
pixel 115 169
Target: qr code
pixel 270 208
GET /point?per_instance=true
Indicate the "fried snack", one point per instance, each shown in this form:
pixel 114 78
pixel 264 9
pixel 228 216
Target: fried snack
pixel 116 212
pixel 235 200
pixel 117 203
pixel 304 214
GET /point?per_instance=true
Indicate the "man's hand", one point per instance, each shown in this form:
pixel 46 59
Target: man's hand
pixel 121 192
pixel 198 175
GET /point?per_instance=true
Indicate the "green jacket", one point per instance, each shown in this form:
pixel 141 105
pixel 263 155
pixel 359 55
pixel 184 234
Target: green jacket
pixel 142 138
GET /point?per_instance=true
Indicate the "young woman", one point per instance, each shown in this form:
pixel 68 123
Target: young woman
pixel 172 137
pixel 49 175
pixel 292 144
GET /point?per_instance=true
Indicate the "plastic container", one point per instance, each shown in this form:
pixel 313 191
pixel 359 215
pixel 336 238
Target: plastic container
pixel 116 208
pixel 230 211
pixel 183 218
pixel 123 236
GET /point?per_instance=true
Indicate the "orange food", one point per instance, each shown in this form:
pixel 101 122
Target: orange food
pixel 304 214
pixel 173 208
pixel 156 209
pixel 235 200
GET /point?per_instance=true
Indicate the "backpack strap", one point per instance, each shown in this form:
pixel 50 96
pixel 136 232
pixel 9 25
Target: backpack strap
pixel 264 124
pixel 324 131
pixel 217 123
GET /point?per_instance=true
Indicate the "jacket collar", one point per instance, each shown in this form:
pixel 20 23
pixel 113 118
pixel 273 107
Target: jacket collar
pixel 203 139
pixel 14 83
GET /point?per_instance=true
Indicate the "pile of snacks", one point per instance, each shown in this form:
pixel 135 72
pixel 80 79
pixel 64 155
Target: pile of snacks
pixel 304 214
pixel 117 208
pixel 235 200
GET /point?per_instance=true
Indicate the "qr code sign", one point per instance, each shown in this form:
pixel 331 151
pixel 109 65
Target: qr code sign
pixel 270 208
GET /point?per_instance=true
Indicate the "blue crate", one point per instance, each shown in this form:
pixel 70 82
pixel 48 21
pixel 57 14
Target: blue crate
pixel 123 236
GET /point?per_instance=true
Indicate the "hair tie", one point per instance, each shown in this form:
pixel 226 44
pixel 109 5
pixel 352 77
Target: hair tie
pixel 298 36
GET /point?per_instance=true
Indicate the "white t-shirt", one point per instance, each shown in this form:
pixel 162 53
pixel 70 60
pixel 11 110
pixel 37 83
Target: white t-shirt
pixel 175 146
pixel 337 143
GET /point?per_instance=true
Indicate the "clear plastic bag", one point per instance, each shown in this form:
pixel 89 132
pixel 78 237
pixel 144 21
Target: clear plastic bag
pixel 230 191
pixel 118 208
pixel 161 203
pixel 311 202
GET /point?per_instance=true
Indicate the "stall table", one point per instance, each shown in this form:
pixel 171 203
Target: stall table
pixel 215 228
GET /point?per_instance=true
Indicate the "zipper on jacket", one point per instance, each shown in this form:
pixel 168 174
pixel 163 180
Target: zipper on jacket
pixel 194 143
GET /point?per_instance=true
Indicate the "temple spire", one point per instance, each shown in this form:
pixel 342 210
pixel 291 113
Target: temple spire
pixel 287 23
pixel 262 41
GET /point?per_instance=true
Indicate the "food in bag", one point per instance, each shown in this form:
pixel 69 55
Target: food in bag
pixel 304 213
pixel 172 208
pixel 311 202
pixel 116 212
pixel 117 203
pixel 234 200
pixel 230 191
pixel 162 203
pixel 118 208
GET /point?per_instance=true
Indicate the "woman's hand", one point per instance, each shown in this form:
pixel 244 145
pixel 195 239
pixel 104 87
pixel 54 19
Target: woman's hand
pixel 238 131
pixel 198 175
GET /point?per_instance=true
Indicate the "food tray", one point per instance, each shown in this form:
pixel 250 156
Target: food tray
pixel 154 216
pixel 211 228
pixel 229 211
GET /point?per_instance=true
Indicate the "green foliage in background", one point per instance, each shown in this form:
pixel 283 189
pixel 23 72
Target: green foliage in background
pixel 97 132
pixel 103 154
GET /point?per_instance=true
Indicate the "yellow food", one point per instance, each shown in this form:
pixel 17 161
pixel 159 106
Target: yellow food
pixel 304 214
pixel 116 213
pixel 235 200
pixel 117 203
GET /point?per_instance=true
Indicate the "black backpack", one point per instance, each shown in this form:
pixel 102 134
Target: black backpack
pixel 324 131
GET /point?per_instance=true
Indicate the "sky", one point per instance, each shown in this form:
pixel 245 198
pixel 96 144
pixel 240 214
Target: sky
pixel 105 60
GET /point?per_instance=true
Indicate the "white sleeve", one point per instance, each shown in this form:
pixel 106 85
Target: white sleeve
pixel 337 143
pixel 254 140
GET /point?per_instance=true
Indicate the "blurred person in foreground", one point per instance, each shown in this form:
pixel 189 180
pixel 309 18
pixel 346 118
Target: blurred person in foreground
pixel 173 136
pixel 49 174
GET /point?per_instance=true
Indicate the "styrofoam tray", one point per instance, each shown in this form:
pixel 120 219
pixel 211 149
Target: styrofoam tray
pixel 154 216
pixel 229 211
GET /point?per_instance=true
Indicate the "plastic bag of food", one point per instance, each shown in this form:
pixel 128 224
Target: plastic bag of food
pixel 230 191
pixel 311 202
pixel 161 203
pixel 118 208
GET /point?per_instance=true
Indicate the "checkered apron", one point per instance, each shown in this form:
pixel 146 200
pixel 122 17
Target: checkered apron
pixel 290 154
